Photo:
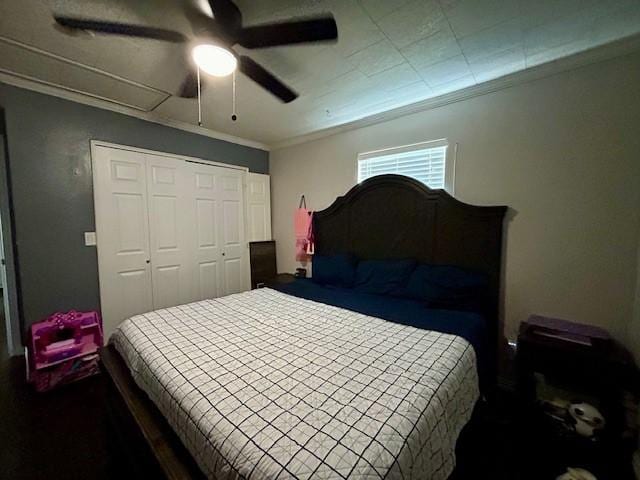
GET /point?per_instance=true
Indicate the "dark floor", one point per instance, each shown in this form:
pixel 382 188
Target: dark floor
pixel 57 435
pixel 63 435
pixel 3 331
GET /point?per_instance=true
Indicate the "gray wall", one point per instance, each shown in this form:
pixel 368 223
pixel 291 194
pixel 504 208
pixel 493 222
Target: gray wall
pixel 12 327
pixel 50 163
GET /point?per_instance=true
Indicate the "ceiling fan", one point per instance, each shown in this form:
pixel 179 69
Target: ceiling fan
pixel 213 39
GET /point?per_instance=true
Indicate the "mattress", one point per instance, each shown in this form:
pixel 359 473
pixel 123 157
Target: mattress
pixel 467 324
pixel 265 385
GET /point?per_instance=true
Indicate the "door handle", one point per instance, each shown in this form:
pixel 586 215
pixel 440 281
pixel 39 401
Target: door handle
pixel 148 261
pixel 223 254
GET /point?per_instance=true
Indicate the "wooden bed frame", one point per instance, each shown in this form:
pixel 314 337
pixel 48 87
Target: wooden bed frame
pixel 385 217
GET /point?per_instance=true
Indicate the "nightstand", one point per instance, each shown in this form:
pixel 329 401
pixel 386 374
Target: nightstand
pixel 549 368
pixel 262 256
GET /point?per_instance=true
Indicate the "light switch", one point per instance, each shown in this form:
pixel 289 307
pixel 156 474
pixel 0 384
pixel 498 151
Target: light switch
pixel 90 239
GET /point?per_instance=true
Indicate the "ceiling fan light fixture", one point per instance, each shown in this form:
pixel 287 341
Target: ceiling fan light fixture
pixel 217 26
pixel 214 60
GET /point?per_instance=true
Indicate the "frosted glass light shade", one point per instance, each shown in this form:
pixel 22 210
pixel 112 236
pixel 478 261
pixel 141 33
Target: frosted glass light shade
pixel 214 60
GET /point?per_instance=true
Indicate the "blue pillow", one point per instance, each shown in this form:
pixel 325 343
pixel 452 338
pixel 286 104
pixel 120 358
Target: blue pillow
pixel 447 286
pixel 383 277
pixel 338 270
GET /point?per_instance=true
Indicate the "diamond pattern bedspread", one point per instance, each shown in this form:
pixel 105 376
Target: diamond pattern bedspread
pixel 263 385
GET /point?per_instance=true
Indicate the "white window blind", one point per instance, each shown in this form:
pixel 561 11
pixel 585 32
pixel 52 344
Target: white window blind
pixel 425 162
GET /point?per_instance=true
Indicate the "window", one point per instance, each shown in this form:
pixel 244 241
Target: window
pixel 426 162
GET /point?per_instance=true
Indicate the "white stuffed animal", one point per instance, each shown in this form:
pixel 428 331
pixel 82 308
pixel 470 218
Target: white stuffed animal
pixel 587 418
pixel 577 474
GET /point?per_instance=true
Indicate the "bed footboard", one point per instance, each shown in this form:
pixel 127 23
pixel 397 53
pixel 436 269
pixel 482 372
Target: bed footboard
pixel 144 444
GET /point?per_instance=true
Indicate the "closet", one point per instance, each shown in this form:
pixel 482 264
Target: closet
pixel 169 231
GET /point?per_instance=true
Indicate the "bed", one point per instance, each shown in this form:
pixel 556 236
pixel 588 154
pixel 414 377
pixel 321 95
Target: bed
pixel 308 381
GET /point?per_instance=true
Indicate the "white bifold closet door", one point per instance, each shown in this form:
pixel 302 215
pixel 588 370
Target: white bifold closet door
pixel 169 232
pixel 221 262
pixel 122 225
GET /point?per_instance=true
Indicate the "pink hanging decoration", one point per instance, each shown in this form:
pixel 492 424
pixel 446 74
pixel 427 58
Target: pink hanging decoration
pixel 303 227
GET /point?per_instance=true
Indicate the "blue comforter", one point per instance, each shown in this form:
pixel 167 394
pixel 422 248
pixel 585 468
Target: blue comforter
pixel 468 325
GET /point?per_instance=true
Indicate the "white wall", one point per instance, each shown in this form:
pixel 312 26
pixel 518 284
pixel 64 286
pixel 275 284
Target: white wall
pixel 563 152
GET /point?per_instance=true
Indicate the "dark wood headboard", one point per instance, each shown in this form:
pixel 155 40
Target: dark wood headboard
pixel 394 217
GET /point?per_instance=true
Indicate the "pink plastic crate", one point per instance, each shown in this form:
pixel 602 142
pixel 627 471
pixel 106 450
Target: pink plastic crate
pixel 64 348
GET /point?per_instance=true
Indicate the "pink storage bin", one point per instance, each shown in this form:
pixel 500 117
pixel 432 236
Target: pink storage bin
pixel 64 348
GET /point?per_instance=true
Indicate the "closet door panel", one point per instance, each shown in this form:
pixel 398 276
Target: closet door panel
pixel 233 277
pixel 167 286
pixel 232 226
pixel 205 203
pixel 120 197
pixel 234 245
pixel 130 214
pixel 208 280
pixel 258 202
pixel 133 286
pixel 170 231
pixel 206 227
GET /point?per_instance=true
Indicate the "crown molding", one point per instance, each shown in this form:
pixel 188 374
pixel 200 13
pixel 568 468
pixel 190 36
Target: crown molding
pixel 41 86
pixel 598 54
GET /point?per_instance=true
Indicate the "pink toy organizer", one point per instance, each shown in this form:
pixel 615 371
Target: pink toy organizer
pixel 64 348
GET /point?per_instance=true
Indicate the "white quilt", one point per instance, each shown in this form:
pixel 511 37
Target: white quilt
pixel 263 385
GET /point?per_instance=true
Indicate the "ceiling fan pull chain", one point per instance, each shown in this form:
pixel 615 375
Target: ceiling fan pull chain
pixel 199 99
pixel 234 117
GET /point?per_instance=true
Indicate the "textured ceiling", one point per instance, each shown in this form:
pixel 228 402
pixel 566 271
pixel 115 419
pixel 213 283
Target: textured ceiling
pixel 390 53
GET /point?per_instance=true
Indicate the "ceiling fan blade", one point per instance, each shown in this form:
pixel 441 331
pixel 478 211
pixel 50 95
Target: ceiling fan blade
pixel 189 86
pixel 287 33
pixel 114 28
pixel 227 13
pixel 266 79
